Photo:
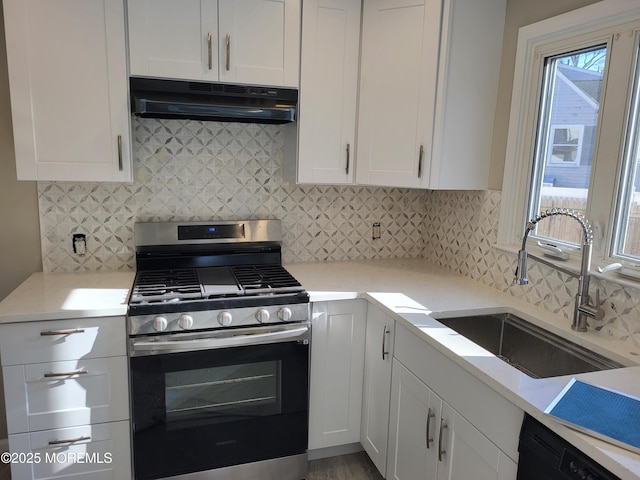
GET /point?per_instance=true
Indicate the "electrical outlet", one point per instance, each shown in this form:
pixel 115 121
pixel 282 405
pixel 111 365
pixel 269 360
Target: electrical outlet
pixel 79 244
pixel 375 231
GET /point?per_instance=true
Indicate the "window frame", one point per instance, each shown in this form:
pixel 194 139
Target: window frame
pixel 607 23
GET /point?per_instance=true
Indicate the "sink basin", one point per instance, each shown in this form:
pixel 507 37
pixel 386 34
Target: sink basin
pixel 530 349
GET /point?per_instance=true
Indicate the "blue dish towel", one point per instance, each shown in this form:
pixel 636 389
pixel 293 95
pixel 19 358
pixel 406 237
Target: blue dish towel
pixel 594 410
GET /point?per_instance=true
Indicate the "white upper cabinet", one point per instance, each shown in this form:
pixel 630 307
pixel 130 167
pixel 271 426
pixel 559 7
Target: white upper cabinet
pixel 468 76
pixel 328 91
pixel 428 92
pixel 399 66
pixel 68 88
pixel 233 41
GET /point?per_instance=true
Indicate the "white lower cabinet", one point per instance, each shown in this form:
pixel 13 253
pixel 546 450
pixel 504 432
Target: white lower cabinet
pixel 378 357
pixel 93 452
pixel 66 391
pixel 429 439
pixel 337 363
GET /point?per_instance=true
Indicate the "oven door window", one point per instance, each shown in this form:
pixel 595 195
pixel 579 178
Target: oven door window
pixel 222 394
pixel 201 410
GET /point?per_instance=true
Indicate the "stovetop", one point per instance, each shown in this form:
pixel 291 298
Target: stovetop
pixel 197 275
pixel 162 286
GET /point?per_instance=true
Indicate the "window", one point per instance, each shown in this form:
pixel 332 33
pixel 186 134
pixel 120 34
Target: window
pixel 574 137
pixel 565 147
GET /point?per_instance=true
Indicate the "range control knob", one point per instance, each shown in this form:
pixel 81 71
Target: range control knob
pixel 225 319
pixel 285 314
pixel 185 322
pixel 160 324
pixel 263 315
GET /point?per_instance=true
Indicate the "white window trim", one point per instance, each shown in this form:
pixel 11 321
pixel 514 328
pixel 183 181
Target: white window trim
pixel 526 84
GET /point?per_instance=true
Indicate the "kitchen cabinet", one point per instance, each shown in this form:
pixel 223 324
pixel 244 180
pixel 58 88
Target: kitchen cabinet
pixel 65 386
pixel 399 68
pixel 68 89
pixel 480 427
pixel 336 378
pixel 429 439
pixel 232 41
pixel 378 356
pixel 428 90
pixel 328 91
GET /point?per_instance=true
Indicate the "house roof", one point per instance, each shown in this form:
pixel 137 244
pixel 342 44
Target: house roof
pixel 588 81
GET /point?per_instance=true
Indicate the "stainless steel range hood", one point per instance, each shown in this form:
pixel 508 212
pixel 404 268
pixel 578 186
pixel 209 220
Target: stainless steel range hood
pixel 161 98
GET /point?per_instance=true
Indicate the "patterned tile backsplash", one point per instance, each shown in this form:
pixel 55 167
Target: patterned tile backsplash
pixel 188 170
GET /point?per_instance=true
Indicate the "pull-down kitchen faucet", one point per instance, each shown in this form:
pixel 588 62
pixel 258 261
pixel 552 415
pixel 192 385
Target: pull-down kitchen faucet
pixel 583 308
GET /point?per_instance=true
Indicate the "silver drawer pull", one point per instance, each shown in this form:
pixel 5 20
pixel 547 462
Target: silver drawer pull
pixel 384 336
pixel 82 371
pixel 210 51
pixel 71 331
pixel 441 451
pixel 430 415
pixel 71 440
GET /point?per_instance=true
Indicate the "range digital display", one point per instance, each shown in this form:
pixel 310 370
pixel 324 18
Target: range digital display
pixel 209 232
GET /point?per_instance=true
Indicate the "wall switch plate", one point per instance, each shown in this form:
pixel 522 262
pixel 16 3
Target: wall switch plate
pixel 375 231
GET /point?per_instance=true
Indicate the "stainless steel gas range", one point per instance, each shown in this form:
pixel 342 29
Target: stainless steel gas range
pixel 219 353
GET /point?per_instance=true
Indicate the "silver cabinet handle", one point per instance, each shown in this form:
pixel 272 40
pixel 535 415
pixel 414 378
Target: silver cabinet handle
pixel 228 48
pixel 441 451
pixel 385 332
pixel 346 170
pixel 210 51
pixel 71 440
pixel 82 371
pixel 430 415
pixel 420 157
pixel 120 167
pixel 71 331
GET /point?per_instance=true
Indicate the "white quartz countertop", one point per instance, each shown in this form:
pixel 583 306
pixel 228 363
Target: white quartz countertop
pixel 55 296
pixel 413 292
pixel 416 293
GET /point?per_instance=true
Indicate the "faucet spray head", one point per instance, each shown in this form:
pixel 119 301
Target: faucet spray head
pixel 521 269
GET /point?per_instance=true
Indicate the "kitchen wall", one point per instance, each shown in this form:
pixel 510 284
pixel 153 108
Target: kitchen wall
pixel 191 170
pixel 19 235
pixel 461 229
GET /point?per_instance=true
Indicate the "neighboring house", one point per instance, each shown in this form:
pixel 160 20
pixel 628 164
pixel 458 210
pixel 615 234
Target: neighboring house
pixel 576 100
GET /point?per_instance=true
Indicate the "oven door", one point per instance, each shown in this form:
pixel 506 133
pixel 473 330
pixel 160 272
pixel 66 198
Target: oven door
pixel 243 400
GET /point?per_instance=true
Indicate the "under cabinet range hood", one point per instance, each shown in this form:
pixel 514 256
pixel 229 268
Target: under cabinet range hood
pixel 161 98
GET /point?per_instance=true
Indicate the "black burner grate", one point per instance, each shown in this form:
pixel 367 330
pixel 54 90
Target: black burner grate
pixel 166 285
pixel 259 279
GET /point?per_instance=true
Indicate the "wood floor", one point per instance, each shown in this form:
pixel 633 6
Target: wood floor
pixel 355 466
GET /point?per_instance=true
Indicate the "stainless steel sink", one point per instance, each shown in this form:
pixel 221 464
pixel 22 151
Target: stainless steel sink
pixel 530 349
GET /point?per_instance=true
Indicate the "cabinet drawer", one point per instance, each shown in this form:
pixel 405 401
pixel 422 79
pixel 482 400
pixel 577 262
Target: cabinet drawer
pixel 42 396
pixel 56 340
pixel 98 452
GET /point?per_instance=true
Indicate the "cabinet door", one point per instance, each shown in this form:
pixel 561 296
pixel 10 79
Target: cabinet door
pixel 377 386
pixel 328 91
pixel 91 452
pixel 259 41
pixel 337 364
pixel 467 453
pixel 42 396
pixel 413 425
pixel 173 39
pixel 400 42
pixel 68 88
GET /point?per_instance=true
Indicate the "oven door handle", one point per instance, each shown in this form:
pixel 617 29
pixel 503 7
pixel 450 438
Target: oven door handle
pixel 220 340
